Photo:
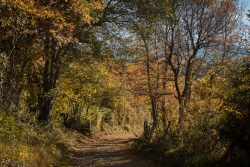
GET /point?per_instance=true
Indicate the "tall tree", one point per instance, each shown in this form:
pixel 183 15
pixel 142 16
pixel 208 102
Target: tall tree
pixel 50 30
pixel 190 30
pixel 187 30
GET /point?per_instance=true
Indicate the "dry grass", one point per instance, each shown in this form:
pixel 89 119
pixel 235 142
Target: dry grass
pixel 33 144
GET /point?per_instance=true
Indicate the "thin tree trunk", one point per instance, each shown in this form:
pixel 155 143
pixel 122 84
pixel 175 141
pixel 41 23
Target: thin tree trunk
pixel 163 102
pixel 181 121
pixel 155 118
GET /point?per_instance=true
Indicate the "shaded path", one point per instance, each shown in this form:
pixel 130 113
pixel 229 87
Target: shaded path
pixel 106 151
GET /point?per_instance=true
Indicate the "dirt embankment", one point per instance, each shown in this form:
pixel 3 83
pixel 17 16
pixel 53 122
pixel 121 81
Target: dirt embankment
pixel 106 151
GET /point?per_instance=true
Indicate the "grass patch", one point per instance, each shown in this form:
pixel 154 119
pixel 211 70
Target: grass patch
pixel 33 144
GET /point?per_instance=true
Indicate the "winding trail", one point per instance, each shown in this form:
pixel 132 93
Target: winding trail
pixel 106 151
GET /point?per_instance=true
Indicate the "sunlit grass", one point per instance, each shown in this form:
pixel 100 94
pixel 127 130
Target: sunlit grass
pixel 33 144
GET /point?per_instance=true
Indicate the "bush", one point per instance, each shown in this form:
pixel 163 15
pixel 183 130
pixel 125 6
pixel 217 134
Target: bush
pixel 235 126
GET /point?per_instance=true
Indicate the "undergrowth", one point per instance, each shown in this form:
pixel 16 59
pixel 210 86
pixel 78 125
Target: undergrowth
pixel 26 142
pixel 170 155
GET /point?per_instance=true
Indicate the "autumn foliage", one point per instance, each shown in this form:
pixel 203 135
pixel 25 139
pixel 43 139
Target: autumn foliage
pixel 174 72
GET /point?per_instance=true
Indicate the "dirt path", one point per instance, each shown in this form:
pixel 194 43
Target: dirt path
pixel 106 151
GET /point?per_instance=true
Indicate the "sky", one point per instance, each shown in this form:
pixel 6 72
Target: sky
pixel 247 7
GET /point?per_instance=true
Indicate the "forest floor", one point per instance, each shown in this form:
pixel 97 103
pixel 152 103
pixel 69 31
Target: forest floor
pixel 106 151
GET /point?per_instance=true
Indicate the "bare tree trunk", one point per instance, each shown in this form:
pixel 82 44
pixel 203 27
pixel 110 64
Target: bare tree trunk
pixel 46 97
pixel 181 120
pixel 45 106
pixel 49 75
pixel 163 103
pixel 155 118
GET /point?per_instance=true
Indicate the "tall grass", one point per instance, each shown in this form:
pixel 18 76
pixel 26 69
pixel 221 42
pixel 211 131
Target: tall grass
pixel 25 142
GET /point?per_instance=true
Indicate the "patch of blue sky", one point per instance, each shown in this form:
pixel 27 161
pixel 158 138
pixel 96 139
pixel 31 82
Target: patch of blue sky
pixel 246 6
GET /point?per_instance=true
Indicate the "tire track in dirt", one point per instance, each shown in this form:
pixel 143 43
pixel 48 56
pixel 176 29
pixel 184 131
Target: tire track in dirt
pixel 106 151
